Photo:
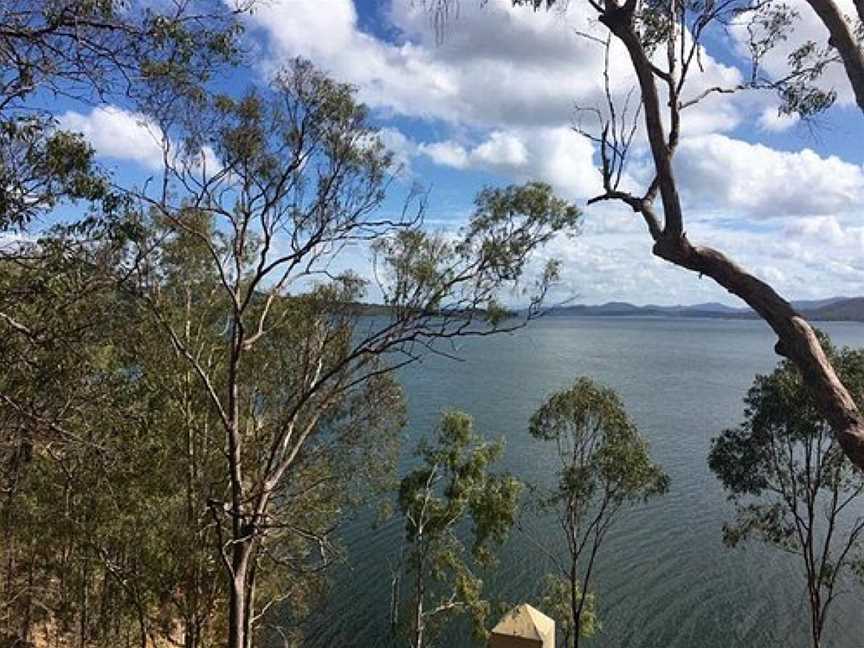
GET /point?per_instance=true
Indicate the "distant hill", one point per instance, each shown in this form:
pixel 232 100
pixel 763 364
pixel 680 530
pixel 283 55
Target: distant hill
pixel 813 304
pixel 851 310
pixel 831 309
pixel 834 308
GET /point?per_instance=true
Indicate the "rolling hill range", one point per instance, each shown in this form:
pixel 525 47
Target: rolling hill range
pixel 831 309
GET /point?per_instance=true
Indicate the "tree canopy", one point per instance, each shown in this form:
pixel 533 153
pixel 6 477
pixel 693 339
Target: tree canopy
pixel 791 484
pixel 603 466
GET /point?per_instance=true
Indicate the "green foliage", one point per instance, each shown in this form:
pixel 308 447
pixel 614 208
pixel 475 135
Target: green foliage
pixel 604 466
pixel 604 454
pixel 784 439
pixel 192 342
pixel 40 167
pixel 452 487
pixel 115 451
pixel 791 484
pixel 434 273
pixel 509 223
pixel 556 602
pixel 159 58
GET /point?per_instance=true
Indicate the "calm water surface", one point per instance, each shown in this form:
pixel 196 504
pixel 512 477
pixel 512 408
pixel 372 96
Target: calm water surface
pixel 664 578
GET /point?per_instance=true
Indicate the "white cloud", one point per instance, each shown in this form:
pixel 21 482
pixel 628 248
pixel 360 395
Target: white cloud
pixel 771 120
pixel 500 67
pixel 815 235
pixel 117 133
pixel 402 148
pixel 559 156
pixel 504 149
pixel 446 153
pixel 502 90
pixel 802 259
pixel 754 180
pixel 123 135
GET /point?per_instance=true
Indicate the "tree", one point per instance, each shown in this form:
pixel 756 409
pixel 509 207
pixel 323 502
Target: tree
pixel 54 310
pixel 287 365
pixel 115 456
pixel 104 537
pixel 299 178
pixel 93 51
pixel 453 486
pixel 676 30
pixel 604 467
pixel 791 485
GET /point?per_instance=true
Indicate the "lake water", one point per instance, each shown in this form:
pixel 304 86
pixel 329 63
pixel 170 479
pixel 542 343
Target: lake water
pixel 664 578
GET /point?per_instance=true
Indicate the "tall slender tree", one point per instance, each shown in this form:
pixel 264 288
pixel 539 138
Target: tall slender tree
pixel 604 466
pixel 453 486
pixel 299 179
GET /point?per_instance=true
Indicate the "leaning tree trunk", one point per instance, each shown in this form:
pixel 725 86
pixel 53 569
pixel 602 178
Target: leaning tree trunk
pixel 796 339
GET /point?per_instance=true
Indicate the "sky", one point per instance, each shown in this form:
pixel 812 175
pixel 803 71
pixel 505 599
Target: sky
pixel 494 102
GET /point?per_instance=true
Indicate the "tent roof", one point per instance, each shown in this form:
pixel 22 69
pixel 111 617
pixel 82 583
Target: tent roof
pixel 525 622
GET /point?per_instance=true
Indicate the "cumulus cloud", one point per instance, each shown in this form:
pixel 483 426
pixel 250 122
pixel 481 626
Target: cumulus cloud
pixel 401 146
pixel 771 120
pixel 118 134
pixel 803 259
pixel 556 155
pixel 122 135
pixel 502 91
pixel 447 154
pixel 754 180
pixel 500 67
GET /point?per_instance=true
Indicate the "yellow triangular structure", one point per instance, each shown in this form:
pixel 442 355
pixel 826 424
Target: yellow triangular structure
pixel 523 627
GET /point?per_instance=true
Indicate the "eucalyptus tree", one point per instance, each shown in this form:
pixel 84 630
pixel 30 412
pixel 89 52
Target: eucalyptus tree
pixel 136 53
pixel 664 41
pixel 791 485
pixel 603 466
pixel 53 310
pixel 115 455
pixel 45 390
pixel 100 540
pixel 293 193
pixel 453 486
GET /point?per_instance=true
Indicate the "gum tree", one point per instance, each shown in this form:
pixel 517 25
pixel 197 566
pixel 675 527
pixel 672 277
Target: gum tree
pixel 791 485
pixel 603 467
pixel 452 487
pixel 297 180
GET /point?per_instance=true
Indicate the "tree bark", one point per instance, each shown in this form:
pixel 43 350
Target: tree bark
pixel 237 610
pixel 418 610
pixel 575 604
pixel 796 339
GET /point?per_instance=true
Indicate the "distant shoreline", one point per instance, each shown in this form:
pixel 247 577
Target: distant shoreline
pixel 840 309
pixel 664 317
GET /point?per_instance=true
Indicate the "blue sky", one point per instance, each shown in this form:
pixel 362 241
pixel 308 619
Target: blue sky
pixel 494 104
